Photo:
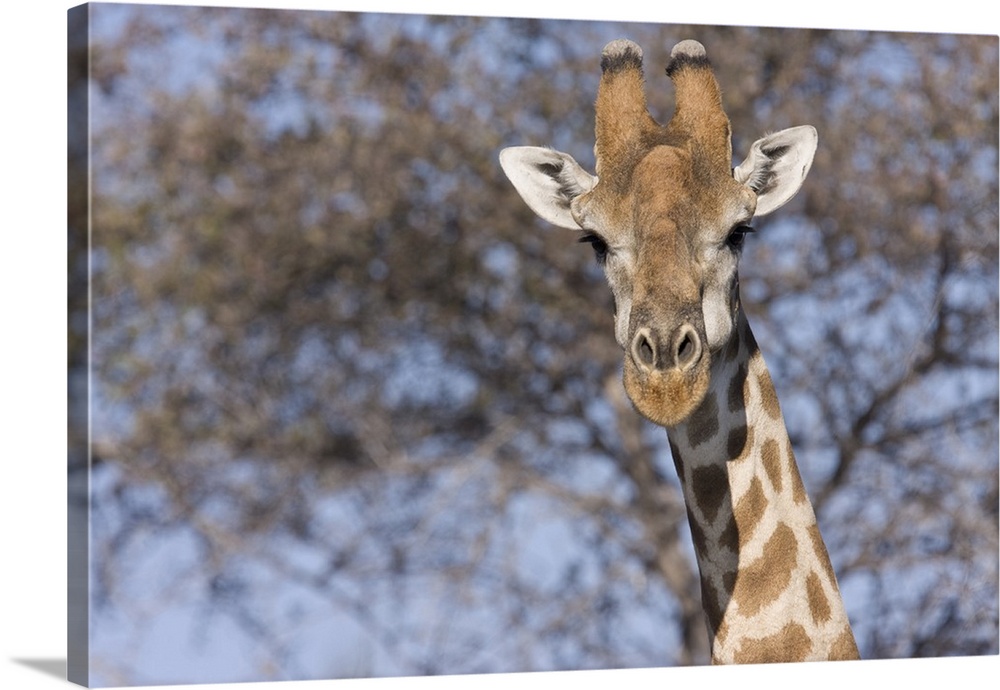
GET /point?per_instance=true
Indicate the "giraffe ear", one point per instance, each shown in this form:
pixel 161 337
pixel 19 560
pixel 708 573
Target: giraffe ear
pixel 547 180
pixel 777 166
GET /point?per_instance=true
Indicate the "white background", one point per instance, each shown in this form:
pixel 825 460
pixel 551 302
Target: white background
pixel 33 349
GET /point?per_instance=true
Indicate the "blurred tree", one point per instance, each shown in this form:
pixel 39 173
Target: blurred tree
pixel 359 412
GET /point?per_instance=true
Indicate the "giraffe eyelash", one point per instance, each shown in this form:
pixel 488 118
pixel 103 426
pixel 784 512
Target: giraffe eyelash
pixel 736 236
pixel 599 245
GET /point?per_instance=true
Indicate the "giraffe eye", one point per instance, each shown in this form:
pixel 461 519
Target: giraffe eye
pixel 736 236
pixel 599 245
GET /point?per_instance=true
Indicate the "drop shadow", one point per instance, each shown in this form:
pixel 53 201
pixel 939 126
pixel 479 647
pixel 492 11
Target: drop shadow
pixel 50 667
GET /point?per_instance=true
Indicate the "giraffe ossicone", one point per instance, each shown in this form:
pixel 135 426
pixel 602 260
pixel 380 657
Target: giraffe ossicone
pixel 667 213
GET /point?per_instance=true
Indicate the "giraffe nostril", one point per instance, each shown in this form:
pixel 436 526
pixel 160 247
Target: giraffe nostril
pixel 685 350
pixel 687 347
pixel 646 352
pixel 644 349
pixel 649 352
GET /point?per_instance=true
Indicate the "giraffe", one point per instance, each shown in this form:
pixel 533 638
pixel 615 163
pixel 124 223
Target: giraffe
pixel 666 215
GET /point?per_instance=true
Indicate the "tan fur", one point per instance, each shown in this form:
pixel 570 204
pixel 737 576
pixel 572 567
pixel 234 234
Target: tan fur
pixel 791 643
pixel 771 593
pixel 819 605
pixel 664 398
pixel 666 204
pixel 844 648
pixel 770 456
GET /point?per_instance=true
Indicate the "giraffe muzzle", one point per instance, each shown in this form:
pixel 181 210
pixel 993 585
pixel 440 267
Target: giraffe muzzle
pixel 681 351
pixel 666 375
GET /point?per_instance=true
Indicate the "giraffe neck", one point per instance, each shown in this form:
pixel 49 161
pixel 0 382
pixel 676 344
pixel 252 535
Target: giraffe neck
pixel 768 588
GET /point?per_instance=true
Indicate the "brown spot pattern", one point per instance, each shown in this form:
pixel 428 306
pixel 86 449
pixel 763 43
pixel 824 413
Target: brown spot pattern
pixel 736 397
pixel 798 488
pixel 821 553
pixel 771 458
pixel 751 342
pixel 704 422
pixel 729 581
pixel 733 346
pixel 791 643
pixel 749 510
pixel 711 603
pixel 710 486
pixel 763 581
pixel 768 397
pixel 697 533
pixel 721 632
pixel 844 647
pixel 678 463
pixel 738 444
pixel 730 536
pixel 819 605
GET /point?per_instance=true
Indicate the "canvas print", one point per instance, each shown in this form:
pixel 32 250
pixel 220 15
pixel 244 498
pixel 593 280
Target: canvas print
pixel 407 345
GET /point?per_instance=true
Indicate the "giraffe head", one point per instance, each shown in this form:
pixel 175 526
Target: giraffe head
pixel 666 214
